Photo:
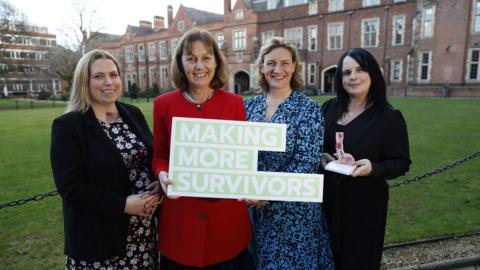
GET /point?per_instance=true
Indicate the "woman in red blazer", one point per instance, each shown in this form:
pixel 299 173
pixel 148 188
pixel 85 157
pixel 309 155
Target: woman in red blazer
pixel 198 232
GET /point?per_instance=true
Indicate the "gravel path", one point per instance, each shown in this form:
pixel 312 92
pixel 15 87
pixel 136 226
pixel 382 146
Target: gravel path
pixel 431 252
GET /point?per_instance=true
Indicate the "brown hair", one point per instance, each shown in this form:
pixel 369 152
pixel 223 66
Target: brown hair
pixel 80 97
pixel 185 46
pixel 278 42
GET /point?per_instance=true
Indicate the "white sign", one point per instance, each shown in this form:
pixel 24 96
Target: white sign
pixel 218 159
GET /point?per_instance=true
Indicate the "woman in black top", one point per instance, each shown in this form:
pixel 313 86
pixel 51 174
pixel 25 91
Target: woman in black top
pixel 101 153
pixel 375 135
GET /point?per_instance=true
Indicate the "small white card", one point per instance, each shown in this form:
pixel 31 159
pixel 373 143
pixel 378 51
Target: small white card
pixel 340 168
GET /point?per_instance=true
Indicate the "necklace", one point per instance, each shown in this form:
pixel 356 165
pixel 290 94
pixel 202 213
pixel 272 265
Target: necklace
pixel 198 105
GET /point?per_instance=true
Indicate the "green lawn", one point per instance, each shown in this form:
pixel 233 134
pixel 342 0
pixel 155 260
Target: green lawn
pixel 441 131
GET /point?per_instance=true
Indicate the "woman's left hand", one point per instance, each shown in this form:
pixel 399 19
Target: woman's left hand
pixel 364 168
pixel 152 201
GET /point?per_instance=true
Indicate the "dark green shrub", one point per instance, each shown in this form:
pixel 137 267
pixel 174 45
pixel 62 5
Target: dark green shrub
pixel 44 95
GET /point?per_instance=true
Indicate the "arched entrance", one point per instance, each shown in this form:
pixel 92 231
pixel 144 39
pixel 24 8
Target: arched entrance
pixel 328 79
pixel 241 82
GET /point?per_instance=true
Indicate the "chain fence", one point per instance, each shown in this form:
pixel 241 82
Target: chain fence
pixel 436 171
pixel 417 178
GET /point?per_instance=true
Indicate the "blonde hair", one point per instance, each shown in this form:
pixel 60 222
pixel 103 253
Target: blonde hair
pixel 184 46
pixel 80 97
pixel 273 43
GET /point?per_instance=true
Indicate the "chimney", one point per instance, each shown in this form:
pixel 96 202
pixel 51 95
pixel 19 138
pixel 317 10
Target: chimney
pixel 158 22
pixel 227 6
pixel 145 24
pixel 170 15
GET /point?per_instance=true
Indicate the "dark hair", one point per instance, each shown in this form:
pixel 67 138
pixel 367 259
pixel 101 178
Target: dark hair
pixel 185 46
pixel 377 96
pixel 271 44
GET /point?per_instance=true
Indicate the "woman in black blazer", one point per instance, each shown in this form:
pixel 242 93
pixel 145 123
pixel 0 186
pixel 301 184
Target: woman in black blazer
pixel 101 155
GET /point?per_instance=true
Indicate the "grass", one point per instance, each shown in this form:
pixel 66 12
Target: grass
pixel 440 130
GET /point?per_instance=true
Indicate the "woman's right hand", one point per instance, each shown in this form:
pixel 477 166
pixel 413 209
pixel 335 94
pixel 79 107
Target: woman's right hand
pixel 255 203
pixel 140 205
pixel 165 182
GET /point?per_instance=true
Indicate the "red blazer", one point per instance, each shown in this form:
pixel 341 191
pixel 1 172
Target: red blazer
pixel 196 231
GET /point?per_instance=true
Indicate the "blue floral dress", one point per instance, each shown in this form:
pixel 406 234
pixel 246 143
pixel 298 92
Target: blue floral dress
pixel 140 251
pixel 291 235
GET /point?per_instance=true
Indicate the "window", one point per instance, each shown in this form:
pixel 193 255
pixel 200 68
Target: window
pixel 163 76
pixel 428 14
pixel 181 26
pixel 56 85
pixel 312 71
pixel 295 36
pixel 473 62
pixel 239 39
pixel 370 32
pixel 220 40
pixel 367 3
pixel 301 65
pixel 151 51
pixel 141 53
pixel 476 26
pixel 238 14
pixel 398 30
pixel 174 47
pixel 266 36
pixel 118 56
pixel 142 77
pixel 272 4
pixel 396 70
pixel 152 75
pixel 335 5
pixel 312 7
pixel 335 36
pixel 239 57
pixel 424 66
pixel 312 38
pixel 289 3
pixel 129 54
pixel 163 50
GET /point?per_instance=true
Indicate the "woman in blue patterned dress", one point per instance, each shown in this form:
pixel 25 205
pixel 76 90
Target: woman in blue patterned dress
pixel 288 235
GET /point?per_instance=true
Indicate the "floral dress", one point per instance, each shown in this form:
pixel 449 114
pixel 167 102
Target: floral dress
pixel 141 232
pixel 291 235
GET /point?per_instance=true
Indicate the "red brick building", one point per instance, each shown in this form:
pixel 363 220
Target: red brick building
pixel 423 47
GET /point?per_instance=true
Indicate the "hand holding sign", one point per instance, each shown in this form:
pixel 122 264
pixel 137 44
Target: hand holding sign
pixel 165 182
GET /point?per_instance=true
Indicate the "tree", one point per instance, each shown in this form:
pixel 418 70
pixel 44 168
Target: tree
pixel 78 37
pixel 63 61
pixel 82 32
pixel 12 24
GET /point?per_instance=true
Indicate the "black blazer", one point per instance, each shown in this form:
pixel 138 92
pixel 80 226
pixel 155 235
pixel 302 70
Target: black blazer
pixel 92 180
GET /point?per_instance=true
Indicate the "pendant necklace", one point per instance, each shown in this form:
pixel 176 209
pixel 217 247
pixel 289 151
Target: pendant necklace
pixel 198 105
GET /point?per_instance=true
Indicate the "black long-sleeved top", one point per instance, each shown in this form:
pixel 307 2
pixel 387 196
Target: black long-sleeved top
pixel 93 181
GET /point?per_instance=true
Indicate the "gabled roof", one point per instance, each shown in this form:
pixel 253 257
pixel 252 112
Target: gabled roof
pixel 257 5
pixel 106 37
pixel 248 3
pixel 140 31
pixel 202 17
